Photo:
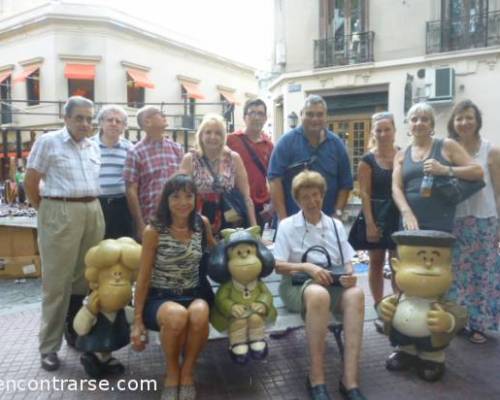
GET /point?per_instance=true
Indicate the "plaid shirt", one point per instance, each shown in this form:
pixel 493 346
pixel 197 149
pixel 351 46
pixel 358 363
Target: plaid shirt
pixel 149 164
pixel 68 168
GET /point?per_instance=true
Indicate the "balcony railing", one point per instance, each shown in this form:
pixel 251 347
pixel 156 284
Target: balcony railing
pixel 344 50
pixel 482 30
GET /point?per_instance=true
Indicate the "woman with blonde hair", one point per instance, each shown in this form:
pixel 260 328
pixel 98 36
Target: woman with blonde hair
pixel 379 217
pixel 421 207
pixel 217 170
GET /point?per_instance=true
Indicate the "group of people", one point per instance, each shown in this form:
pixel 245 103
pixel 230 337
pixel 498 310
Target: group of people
pixel 106 187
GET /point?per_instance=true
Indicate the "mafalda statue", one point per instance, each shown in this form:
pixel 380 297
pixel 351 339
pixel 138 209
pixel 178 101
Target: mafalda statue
pixel 419 321
pixel 243 303
pixel 103 321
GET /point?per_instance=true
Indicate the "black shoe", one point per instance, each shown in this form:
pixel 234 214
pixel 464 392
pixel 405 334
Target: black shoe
pixel 92 365
pixel 50 362
pixel 258 354
pixel 240 359
pixel 351 394
pixel 317 392
pixel 400 361
pixel 430 371
pixel 113 367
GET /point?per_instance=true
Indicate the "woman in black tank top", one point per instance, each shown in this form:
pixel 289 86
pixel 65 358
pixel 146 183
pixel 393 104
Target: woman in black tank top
pixel 428 156
pixel 379 213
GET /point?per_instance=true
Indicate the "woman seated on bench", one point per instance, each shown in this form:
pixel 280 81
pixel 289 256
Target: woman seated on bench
pixel 171 296
pixel 320 293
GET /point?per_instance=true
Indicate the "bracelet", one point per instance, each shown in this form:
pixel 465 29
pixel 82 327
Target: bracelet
pixel 450 171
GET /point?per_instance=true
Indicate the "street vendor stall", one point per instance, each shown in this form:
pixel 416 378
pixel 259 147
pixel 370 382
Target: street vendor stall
pixel 19 256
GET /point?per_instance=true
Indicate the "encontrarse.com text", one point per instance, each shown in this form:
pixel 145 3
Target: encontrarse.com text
pixel 77 385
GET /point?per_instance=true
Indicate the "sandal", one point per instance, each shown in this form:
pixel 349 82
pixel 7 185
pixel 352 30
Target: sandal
pixel 475 336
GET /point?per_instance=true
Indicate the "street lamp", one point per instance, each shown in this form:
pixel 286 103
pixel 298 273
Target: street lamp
pixel 292 119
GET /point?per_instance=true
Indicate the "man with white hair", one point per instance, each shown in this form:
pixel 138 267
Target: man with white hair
pixel 62 182
pixel 114 147
pixel 149 164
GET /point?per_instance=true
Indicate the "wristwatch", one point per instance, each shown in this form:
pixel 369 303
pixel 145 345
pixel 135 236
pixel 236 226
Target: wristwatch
pixel 450 171
pixel 338 213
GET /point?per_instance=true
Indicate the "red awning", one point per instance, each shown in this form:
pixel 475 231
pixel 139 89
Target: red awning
pixel 26 72
pixel 192 90
pixel 79 71
pixel 24 154
pixel 229 96
pixel 140 78
pixel 4 75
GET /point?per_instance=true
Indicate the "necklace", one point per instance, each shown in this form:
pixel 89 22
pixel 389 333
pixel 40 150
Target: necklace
pixel 175 228
pixel 423 153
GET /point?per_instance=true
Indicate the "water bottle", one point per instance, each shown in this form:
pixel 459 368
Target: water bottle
pixel 426 186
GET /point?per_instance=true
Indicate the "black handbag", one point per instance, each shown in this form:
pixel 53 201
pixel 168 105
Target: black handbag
pixel 299 278
pixel 233 206
pixel 386 217
pixel 454 190
pixel 234 209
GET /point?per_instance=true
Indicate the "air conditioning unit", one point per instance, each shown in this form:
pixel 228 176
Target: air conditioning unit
pixel 436 85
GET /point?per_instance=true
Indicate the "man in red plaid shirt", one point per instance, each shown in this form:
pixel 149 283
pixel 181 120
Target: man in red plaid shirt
pixel 149 164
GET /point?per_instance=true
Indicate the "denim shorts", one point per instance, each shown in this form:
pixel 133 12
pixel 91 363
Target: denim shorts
pixel 156 297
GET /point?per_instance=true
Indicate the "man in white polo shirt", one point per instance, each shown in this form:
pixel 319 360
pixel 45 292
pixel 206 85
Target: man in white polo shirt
pixel 114 147
pixel 62 182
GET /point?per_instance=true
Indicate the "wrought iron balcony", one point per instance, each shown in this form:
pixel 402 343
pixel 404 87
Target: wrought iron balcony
pixel 344 50
pixel 482 30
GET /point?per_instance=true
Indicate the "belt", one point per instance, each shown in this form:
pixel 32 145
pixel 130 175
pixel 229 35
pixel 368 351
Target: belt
pixel 85 199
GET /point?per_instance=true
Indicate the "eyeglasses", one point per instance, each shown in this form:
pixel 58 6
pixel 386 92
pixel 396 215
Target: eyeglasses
pixel 115 120
pixel 253 114
pixel 382 115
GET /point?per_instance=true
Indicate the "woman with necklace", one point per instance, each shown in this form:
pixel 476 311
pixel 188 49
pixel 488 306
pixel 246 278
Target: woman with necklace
pixel 317 298
pixel 172 295
pixel 215 169
pixel 427 156
pixel 379 217
pixel 477 276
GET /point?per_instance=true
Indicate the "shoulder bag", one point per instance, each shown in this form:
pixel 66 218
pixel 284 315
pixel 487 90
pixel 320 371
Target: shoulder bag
pixel 299 278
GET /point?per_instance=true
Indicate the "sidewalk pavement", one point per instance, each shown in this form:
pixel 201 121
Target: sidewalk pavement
pixel 472 370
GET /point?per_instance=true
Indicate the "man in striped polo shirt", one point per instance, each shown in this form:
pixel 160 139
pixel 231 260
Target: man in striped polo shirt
pixel 112 121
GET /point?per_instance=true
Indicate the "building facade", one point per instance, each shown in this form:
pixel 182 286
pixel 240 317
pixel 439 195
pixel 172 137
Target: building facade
pixel 51 50
pixel 365 56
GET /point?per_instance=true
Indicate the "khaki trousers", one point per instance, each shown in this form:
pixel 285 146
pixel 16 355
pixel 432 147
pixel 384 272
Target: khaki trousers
pixel 66 230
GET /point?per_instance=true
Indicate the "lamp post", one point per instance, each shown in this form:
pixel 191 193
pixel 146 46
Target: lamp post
pixel 292 119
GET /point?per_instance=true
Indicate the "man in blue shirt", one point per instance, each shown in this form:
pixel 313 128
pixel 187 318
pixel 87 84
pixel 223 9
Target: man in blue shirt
pixel 311 146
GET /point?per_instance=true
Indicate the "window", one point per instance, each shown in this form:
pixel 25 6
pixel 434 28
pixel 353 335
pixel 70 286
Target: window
pixel 464 23
pixel 135 94
pixel 81 87
pixel 33 88
pixel 341 18
pixel 5 98
pixel 189 109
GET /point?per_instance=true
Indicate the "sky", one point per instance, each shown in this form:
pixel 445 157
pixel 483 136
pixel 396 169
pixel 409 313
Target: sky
pixel 238 29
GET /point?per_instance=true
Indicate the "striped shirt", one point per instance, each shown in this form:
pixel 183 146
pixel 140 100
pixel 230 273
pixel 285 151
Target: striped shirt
pixel 68 168
pixel 149 164
pixel 177 264
pixel 112 164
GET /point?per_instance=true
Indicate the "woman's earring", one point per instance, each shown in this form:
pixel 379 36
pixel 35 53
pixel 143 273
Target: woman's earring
pixel 433 133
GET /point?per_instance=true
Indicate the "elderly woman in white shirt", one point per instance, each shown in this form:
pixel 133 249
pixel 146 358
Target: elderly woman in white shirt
pixel 317 297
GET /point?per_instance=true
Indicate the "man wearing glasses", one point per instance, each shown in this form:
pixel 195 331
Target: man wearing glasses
pixel 310 146
pixel 255 149
pixel 149 164
pixel 113 146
